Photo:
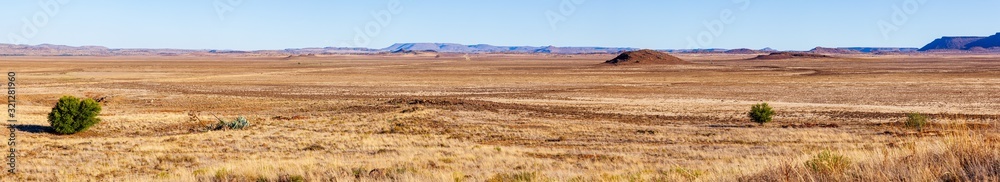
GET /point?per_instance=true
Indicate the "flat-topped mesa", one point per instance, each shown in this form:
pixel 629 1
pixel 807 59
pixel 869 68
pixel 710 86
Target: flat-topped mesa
pixel 645 56
pixel 985 43
pixel 951 43
pixel 790 55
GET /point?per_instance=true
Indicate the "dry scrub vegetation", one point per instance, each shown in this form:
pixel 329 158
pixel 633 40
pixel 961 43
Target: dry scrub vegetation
pixel 963 155
pixel 512 118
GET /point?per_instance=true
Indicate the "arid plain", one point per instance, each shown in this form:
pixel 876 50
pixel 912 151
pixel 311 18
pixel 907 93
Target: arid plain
pixel 508 118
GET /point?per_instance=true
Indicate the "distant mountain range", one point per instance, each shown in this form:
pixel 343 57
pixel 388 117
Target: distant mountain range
pixel 944 44
pixel 486 48
pixel 62 50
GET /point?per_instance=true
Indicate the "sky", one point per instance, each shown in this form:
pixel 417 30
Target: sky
pixel 655 24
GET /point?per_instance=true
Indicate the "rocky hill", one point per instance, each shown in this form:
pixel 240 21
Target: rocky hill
pixel 645 56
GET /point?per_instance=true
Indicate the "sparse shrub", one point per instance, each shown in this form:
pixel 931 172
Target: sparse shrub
pixel 447 160
pixel 296 178
pixel 689 174
pixel 223 174
pixel 358 172
pixel 828 162
pixel 916 121
pixel 71 115
pixel 760 113
pixel 650 132
pixel 393 173
pixel 396 128
pixel 238 124
pixel 163 175
pixel 458 176
pixel 314 147
pixel 628 176
pixel 558 139
pixel 288 178
pixel 516 177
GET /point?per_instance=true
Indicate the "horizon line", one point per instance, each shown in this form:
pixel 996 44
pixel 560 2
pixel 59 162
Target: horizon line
pixel 226 49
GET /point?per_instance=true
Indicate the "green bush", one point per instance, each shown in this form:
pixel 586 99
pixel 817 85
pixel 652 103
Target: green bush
pixel 916 120
pixel 760 113
pixel 238 124
pixel 72 115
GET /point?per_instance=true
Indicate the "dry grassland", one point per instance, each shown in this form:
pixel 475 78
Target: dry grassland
pixel 511 118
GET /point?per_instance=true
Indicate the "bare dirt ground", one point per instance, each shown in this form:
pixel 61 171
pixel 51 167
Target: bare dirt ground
pixel 489 117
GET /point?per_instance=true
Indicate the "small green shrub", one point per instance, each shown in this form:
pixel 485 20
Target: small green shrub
pixel 71 115
pixel 296 178
pixel 358 172
pixel 238 124
pixel 828 162
pixel 916 121
pixel 760 113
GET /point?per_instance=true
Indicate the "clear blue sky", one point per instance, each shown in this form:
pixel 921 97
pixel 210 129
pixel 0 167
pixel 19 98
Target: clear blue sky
pixel 660 24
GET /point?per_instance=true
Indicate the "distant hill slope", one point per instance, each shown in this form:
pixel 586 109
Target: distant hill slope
pixel 790 55
pixel 881 49
pixel 825 50
pixel 49 49
pixel 858 50
pixel 743 51
pixel 988 42
pixel 961 44
pixel 486 48
pixel 437 47
pixel 951 43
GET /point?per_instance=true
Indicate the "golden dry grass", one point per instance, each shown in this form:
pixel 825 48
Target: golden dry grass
pixel 504 118
pixel 964 155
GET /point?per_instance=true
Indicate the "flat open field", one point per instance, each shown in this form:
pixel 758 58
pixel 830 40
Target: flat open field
pixel 497 117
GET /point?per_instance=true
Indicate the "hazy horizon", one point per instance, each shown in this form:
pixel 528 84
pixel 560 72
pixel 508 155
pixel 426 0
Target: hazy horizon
pixel 268 25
